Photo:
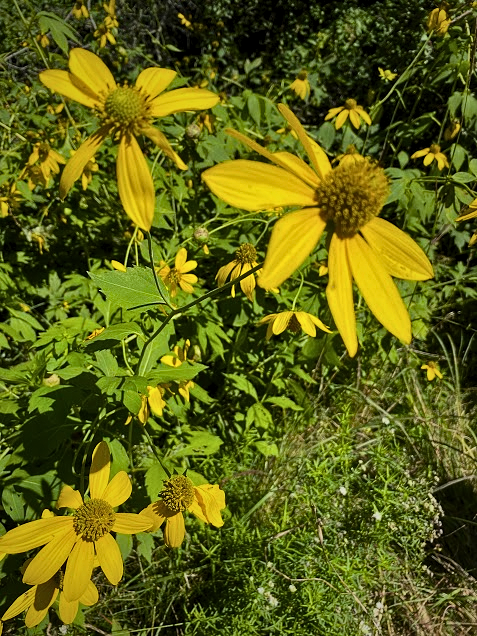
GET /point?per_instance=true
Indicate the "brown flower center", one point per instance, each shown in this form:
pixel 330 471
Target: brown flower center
pixel 246 253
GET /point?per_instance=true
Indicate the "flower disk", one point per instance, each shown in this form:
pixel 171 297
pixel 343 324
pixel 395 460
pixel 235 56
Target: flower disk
pixel 178 493
pixel 94 519
pixel 246 253
pixel 125 108
pixel 351 195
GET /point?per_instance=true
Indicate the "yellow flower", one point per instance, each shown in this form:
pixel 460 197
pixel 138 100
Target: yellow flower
pixel 432 370
pixel 350 157
pixel 77 538
pixel 245 259
pixel 10 199
pixel 180 494
pixel 301 85
pixel 80 10
pixel 352 110
pixel 184 21
pixel 452 130
pixel 104 34
pixel 125 112
pixel 178 275
pixel 433 153
pixel 470 215
pixel 349 198
pixel 47 158
pixel 294 321
pixel 87 174
pixel 387 76
pixel 153 401
pixel 94 333
pixel 175 360
pixel 438 21
pixel 43 39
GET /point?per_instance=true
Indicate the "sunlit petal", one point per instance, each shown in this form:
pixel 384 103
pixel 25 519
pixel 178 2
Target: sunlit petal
pixel 75 166
pixel 135 185
pixel 99 471
pixel 92 70
pixel 67 610
pixel 78 570
pixel 62 82
pixel 281 322
pixel 154 80
pixel 211 499
pixel 50 558
pixel 90 595
pixel 109 557
pixel 130 523
pixel 69 498
pixel 33 534
pixel 20 604
pixel 174 532
pixel 342 117
pixel 306 323
pixel 183 99
pixel 118 490
pixel 355 118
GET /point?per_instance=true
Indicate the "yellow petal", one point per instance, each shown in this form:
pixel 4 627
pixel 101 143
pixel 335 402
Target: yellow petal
pixel 281 322
pixel 79 568
pixel 135 185
pixel 181 258
pixel 155 513
pixel 118 490
pixel 62 82
pixel 91 69
pixel 20 604
pixel 67 610
pixel 340 120
pixel 339 293
pixel 253 185
pixel 160 140
pixel 364 115
pixel 109 558
pixel 306 323
pixel 90 595
pixel 44 598
pixel 187 267
pixel 183 99
pixel 174 532
pixel 319 324
pixel 211 499
pixel 223 273
pixel 152 81
pixel 378 289
pixel 69 498
pixel 429 158
pixel 75 166
pixel 156 401
pixel 321 159
pixel 333 112
pixel 33 534
pixel 247 285
pixel 420 153
pixel 130 523
pixel 50 558
pixel 355 119
pixel 293 238
pixel 99 471
pixel 401 256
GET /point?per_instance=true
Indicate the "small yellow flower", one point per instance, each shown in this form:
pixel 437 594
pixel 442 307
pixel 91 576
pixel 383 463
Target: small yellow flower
pixel 80 10
pixel 387 75
pixel 433 153
pixel 87 174
pixel 245 260
pixel 10 198
pixel 176 359
pixel 350 157
pixel 294 321
pixel 301 85
pixel 47 158
pixel 119 267
pixel 104 33
pixel 452 130
pixel 206 120
pixel 179 274
pixel 43 39
pixel 180 494
pixel 438 21
pixel 352 110
pixel 184 21
pixel 470 213
pixel 432 370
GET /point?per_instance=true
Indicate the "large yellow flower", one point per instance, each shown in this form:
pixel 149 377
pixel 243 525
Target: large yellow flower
pixel 125 112
pixel 78 538
pixel 180 494
pixel 348 199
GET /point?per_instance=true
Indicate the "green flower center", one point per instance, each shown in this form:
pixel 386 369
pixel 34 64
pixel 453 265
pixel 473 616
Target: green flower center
pixel 94 519
pixel 174 275
pixel 125 107
pixel 350 104
pixel 302 75
pixel 351 195
pixel 434 149
pixel 293 324
pixel 178 493
pixel 43 151
pixel 246 253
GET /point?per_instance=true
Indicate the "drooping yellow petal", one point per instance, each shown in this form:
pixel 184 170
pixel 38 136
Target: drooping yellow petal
pixel 339 293
pixel 247 285
pixel 92 70
pixel 253 185
pixel 355 119
pixel 152 81
pixel 156 514
pixel 62 82
pixel 69 498
pixel 75 166
pixel 90 595
pixel 306 323
pixel 130 523
pixel 156 400
pixel 401 256
pixel 99 471
pixel 118 490
pixel 333 112
pixel 78 570
pixel 211 499
pixel 160 140
pixel 183 99
pixel 109 557
pixel 50 558
pixel 33 534
pixel 295 124
pixel 67 610
pixel 378 289
pixel 293 239
pixel 20 604
pixel 224 272
pixel 420 153
pixel 174 532
pixel 364 115
pixel 281 322
pixel 429 158
pixel 319 323
pixel 135 185
pixel 321 159
pixel 44 598
pixel 342 117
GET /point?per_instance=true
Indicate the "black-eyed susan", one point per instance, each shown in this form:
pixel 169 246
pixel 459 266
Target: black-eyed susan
pixel 78 538
pixel 430 154
pixel 180 494
pixel 245 260
pixel 470 213
pixel 125 112
pixel 348 199
pixel 179 276
pixel 350 109
pixel 438 21
pixel 295 321
pixel 433 370
pixel 47 159
pixel 301 85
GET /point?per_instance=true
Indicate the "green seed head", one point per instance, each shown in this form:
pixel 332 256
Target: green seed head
pixel 94 519
pixel 125 107
pixel 178 493
pixel 246 253
pixel 350 104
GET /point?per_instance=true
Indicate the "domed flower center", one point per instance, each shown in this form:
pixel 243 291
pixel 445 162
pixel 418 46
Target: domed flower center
pixel 293 324
pixel 350 104
pixel 178 493
pixel 351 195
pixel 94 519
pixel 246 253
pixel 43 151
pixel 174 276
pixel 434 149
pixel 302 75
pixel 125 107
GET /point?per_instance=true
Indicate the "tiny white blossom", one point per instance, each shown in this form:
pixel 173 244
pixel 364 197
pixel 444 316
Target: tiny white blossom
pixel 343 490
pixel 378 515
pixel 292 588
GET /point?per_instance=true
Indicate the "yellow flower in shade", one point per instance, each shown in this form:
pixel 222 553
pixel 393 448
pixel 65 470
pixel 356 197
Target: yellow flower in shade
pixel 180 494
pixel 10 198
pixel 470 213
pixel 352 110
pixel 175 360
pixel 82 536
pixel 80 10
pixel 87 174
pixel 153 401
pixel 350 157
pixel 179 274
pixel 387 76
pixel 184 21
pixel 125 112
pixel 433 153
pixel 438 21
pixel 245 260
pixel 47 158
pixel 294 321
pixel 104 34
pixel 43 39
pixel 348 199
pixel 432 370
pixel 301 85
pixel 452 130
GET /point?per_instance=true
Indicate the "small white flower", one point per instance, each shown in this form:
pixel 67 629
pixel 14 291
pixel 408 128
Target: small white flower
pixel 260 590
pixel 343 491
pixel 292 588
pixel 378 515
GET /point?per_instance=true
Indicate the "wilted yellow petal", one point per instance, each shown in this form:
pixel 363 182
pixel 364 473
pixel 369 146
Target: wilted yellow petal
pixel 135 185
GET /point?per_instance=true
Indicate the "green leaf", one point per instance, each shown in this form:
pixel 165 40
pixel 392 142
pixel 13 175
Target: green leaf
pixel 120 457
pixel 165 373
pixel 145 545
pixel 154 480
pixel 242 384
pixel 463 177
pixel 131 288
pixel 285 403
pixel 267 448
pixel 120 331
pixel 132 401
pixel 259 416
pixel 200 443
pixel 106 362
pixel 125 543
pixel 13 504
pixel 157 348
